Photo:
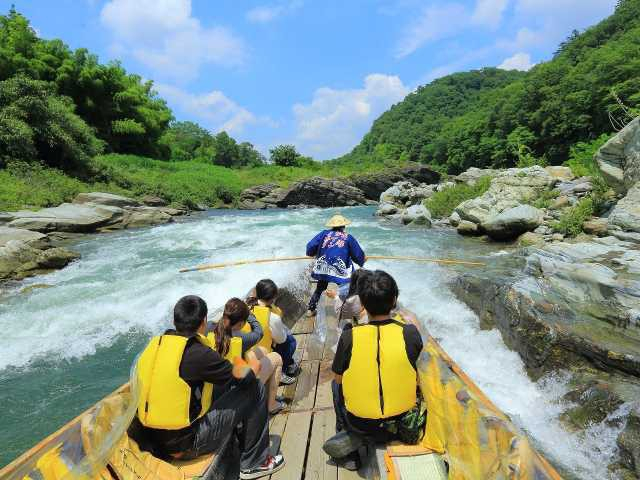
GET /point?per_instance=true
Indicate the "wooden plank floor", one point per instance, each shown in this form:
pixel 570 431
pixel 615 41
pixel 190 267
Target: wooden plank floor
pixel 301 429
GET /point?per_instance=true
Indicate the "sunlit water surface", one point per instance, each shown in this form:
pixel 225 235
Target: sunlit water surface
pixel 64 347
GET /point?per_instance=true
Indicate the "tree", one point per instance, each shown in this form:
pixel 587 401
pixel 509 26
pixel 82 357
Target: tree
pixel 37 124
pixel 227 153
pixel 285 156
pixel 249 156
pixel 188 141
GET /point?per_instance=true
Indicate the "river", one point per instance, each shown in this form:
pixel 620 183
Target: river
pixel 66 346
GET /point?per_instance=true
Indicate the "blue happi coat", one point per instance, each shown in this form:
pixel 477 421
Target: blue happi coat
pixel 334 251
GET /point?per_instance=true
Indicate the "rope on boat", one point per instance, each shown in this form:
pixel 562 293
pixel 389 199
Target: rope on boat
pixel 445 261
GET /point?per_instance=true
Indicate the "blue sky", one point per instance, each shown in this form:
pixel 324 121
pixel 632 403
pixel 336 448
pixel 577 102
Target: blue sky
pixel 311 73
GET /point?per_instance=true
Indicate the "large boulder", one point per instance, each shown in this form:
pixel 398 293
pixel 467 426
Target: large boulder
pixel 560 173
pixel 417 215
pixel 473 174
pixel 626 213
pixel 34 239
pixel 141 217
pixel 619 158
pixel 109 199
pixel 386 209
pixel 19 259
pixel 508 189
pixel 512 223
pixel 68 217
pixel 404 194
pixel 254 198
pixel 321 192
pixel 153 201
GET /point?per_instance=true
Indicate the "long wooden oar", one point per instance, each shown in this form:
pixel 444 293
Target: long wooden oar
pixel 212 266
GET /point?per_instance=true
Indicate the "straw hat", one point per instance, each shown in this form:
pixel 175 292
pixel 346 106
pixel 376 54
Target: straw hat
pixel 338 221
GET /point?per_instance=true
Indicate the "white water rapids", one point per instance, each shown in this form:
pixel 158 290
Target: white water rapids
pixel 66 346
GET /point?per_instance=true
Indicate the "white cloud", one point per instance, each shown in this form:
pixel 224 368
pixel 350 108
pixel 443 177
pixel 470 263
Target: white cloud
pixel 268 13
pixel 547 22
pixel 489 12
pixel 434 23
pixel 163 35
pixel 519 61
pixel 214 109
pixel 335 120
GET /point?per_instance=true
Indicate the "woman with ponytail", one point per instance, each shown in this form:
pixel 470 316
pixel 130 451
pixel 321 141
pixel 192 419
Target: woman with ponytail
pixel 236 314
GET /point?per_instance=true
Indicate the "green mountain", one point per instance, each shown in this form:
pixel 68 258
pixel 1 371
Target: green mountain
pixel 490 117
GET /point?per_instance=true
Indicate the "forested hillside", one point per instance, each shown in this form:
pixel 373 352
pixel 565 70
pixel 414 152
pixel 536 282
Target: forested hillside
pixel 492 118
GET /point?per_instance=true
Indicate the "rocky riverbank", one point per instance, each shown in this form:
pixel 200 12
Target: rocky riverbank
pixel 35 242
pixel 324 192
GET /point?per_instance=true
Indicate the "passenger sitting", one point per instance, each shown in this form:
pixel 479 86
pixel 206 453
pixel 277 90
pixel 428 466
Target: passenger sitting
pixel 375 379
pixel 348 307
pixel 235 320
pixel 283 341
pixel 193 401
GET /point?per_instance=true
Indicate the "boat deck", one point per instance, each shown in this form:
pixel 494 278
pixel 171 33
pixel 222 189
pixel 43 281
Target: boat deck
pixel 301 429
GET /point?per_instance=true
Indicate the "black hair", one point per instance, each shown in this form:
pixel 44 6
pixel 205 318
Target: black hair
pixel 266 290
pixel 378 292
pixel 338 229
pixel 189 313
pixel 356 276
pixel 235 312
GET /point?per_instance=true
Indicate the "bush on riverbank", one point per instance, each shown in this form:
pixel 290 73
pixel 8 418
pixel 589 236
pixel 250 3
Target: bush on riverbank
pixel 570 223
pixel 442 204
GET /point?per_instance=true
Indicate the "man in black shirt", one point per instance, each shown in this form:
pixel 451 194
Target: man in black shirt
pixel 221 397
pixel 374 368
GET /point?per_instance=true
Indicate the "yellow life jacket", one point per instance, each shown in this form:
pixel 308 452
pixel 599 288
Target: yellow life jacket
pixel 262 314
pixel 235 346
pixel 165 397
pixel 380 381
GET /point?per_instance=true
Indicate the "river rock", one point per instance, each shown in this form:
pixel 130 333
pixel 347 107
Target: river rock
pixel 629 441
pixel 560 202
pixel 508 189
pixel 473 174
pixel 465 227
pixel 254 198
pixel 511 223
pixel 373 184
pixel 68 217
pixel 529 239
pixel 108 199
pixel 594 400
pixel 386 209
pixel 417 215
pixel 596 226
pixel 18 259
pixel 560 173
pixel 153 201
pixel 619 158
pixel 321 192
pixel 626 213
pixel 454 219
pixel 140 217
pixel 33 239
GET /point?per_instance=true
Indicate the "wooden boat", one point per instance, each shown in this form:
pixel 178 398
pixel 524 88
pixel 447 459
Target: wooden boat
pixel 465 431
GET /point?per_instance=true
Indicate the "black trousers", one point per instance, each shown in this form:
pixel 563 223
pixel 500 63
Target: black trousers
pixel 320 287
pixel 241 412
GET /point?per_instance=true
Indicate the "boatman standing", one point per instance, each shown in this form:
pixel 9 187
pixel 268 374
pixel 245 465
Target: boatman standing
pixel 335 251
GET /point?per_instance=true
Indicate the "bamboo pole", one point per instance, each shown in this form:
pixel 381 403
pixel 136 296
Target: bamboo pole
pixel 445 261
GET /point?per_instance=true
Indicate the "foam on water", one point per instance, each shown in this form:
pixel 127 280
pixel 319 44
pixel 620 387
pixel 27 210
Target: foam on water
pixel 126 284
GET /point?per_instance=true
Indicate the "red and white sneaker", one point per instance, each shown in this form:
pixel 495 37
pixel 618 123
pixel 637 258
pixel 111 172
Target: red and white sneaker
pixel 272 464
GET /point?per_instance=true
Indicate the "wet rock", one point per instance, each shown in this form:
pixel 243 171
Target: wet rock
pixel 33 239
pixel 417 215
pixel 108 199
pixel 596 226
pixel 619 158
pixel 629 441
pixel 153 201
pixel 386 209
pixel 141 217
pixel 466 227
pixel 372 185
pixel 595 401
pixel 513 222
pixel 19 260
pixel 557 237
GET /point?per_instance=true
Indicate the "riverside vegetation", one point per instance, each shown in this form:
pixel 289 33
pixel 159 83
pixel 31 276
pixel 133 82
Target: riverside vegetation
pixel 82 125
